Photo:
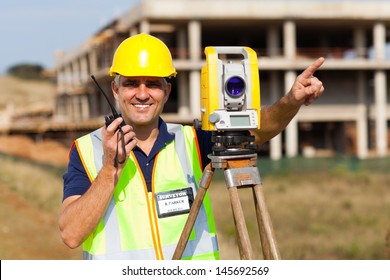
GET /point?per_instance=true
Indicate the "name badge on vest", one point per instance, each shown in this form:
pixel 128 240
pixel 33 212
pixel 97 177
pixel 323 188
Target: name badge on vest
pixel 176 202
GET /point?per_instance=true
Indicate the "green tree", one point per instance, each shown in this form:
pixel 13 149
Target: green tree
pixel 26 71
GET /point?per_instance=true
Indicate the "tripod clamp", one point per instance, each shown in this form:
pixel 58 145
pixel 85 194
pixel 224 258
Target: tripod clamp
pixel 244 173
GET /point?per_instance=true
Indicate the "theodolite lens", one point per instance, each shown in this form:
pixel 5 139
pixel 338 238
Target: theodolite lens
pixel 235 86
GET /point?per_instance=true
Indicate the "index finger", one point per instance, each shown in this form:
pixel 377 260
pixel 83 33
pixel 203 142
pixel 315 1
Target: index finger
pixel 309 71
pixel 114 124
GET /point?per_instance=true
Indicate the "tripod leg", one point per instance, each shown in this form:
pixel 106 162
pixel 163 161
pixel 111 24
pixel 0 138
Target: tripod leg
pixel 268 241
pixel 238 239
pixel 185 235
pixel 244 243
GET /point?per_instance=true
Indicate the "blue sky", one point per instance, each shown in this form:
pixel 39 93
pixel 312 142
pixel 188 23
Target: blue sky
pixel 31 31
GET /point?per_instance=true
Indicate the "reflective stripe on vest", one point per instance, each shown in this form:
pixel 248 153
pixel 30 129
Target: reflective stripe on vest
pixel 130 228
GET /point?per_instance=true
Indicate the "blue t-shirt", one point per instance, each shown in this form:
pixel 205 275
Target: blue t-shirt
pixel 76 181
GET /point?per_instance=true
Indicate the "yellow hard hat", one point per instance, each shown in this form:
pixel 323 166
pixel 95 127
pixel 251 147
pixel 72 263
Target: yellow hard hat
pixel 142 55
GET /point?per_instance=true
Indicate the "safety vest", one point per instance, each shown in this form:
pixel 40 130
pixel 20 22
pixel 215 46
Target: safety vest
pixel 132 227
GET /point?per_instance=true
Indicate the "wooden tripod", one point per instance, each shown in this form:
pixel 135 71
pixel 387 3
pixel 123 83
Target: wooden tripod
pixel 240 171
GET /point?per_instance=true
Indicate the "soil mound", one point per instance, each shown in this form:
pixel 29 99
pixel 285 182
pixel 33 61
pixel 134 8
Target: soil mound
pixel 45 151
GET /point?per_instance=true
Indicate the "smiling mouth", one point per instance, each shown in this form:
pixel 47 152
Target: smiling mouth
pixel 141 106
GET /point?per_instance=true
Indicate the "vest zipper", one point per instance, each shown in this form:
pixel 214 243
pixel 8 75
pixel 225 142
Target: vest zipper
pixel 154 227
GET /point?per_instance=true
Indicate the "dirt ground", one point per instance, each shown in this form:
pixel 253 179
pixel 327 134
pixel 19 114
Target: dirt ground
pixel 45 151
pixel 26 231
pixel 29 233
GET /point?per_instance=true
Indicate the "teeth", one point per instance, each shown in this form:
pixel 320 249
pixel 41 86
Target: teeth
pixel 141 105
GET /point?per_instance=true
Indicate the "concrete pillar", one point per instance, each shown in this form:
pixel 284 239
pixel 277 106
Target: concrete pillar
pixel 92 59
pixel 68 77
pixel 380 89
pixel 77 107
pixel 144 26
pixel 292 128
pixel 183 98
pixel 289 35
pixel 273 41
pixel 61 80
pixel 93 105
pixel 361 122
pixel 62 106
pixel 68 107
pixel 195 44
pixel 71 108
pixel 182 43
pixel 84 69
pixel 75 73
pixel 276 142
pixel 289 50
pixel 379 41
pixel 360 43
pixel 85 114
pixel 79 75
pixel 380 112
pixel 194 40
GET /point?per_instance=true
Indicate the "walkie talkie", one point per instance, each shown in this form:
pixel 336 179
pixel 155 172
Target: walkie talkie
pixel 109 119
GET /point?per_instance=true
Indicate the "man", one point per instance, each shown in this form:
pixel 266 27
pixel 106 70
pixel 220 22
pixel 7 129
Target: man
pixel 136 208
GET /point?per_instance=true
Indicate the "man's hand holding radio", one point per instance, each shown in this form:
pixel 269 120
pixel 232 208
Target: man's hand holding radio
pixel 112 142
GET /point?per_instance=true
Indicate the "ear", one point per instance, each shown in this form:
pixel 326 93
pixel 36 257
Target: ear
pixel 114 89
pixel 167 92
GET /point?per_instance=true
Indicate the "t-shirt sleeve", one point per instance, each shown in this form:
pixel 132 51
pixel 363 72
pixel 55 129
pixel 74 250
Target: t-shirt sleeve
pixel 76 181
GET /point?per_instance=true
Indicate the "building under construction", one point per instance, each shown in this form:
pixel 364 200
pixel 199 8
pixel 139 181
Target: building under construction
pixel 351 117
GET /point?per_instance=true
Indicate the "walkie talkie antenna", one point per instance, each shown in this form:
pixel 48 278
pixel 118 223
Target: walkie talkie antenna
pixel 114 112
pixel 120 135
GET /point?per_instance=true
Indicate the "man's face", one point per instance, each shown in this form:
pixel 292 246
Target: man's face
pixel 141 99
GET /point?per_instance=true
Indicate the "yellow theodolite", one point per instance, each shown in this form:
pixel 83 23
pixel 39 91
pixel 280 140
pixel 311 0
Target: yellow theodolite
pixel 230 89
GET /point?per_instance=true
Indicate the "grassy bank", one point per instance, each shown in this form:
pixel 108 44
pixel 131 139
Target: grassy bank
pixel 334 208
pixel 30 197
